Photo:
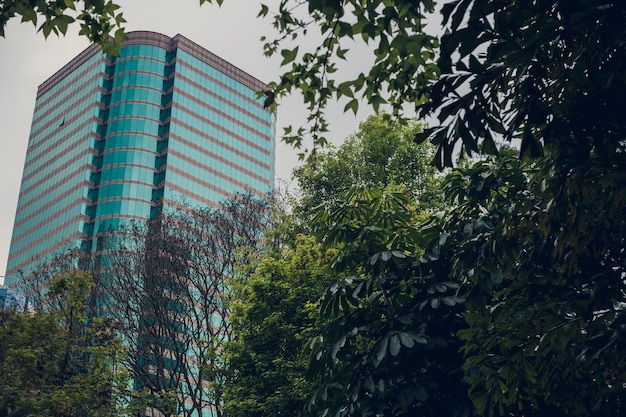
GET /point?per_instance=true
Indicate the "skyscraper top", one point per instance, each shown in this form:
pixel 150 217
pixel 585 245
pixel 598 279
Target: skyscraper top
pixel 144 37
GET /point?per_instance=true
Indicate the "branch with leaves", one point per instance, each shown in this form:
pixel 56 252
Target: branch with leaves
pixel 100 20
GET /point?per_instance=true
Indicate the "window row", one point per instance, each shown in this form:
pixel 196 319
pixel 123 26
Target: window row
pixel 127 173
pixel 55 169
pixel 130 140
pixel 204 68
pixel 71 110
pixel 35 252
pixel 216 184
pixel 134 79
pixel 137 94
pixel 149 127
pixel 218 174
pixel 134 109
pixel 211 106
pixel 135 63
pixel 142 51
pixel 210 90
pixel 62 209
pixel 123 207
pixel 227 145
pixel 213 159
pixel 94 65
pixel 136 157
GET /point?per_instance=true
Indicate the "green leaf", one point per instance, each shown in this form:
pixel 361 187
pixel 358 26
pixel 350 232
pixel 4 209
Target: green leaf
pixel 352 105
pixel 420 339
pixel 47 28
pixel 381 351
pixel 263 12
pixel 394 345
pixel 449 301
pixel 424 135
pixel 62 22
pixel 530 144
pixel 120 35
pixel 341 53
pixel 289 55
pixel 376 100
pixel 345 89
pixel 407 340
pixel 29 15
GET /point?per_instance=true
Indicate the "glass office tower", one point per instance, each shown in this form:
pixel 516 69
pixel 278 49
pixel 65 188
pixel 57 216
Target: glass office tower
pixel 164 123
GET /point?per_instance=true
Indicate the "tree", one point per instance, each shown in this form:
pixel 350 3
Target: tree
pixel 389 345
pixel 522 322
pixel 546 78
pixel 543 329
pixel 380 152
pixel 165 281
pixel 99 20
pixel 275 313
pixel 536 71
pixel 404 60
pixel 275 310
pixel 544 271
pixel 62 361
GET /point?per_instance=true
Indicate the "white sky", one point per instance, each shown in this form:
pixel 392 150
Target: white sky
pixel 231 32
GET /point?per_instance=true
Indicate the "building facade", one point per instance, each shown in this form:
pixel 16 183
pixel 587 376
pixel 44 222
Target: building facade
pixel 164 123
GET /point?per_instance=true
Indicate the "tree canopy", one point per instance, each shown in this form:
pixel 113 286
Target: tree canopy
pixel 388 346
pixel 274 314
pixel 63 361
pixel 536 245
pixel 380 153
pixel 275 298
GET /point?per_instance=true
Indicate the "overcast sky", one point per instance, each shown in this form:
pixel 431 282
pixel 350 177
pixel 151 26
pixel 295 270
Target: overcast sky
pixel 232 32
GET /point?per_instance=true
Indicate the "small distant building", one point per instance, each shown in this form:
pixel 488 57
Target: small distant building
pixel 12 300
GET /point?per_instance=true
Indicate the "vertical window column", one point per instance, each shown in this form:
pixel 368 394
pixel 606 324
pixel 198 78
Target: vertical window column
pixel 164 129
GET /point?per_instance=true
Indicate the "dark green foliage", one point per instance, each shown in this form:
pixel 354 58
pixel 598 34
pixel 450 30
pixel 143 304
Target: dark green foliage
pixel 552 294
pixel 544 326
pixel 389 344
pixel 536 246
pixel 62 362
pixel 99 20
pixel 275 310
pixel 274 314
pixel 549 73
pixel 540 246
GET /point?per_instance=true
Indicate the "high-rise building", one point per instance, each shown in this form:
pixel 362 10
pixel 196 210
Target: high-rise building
pixel 166 122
